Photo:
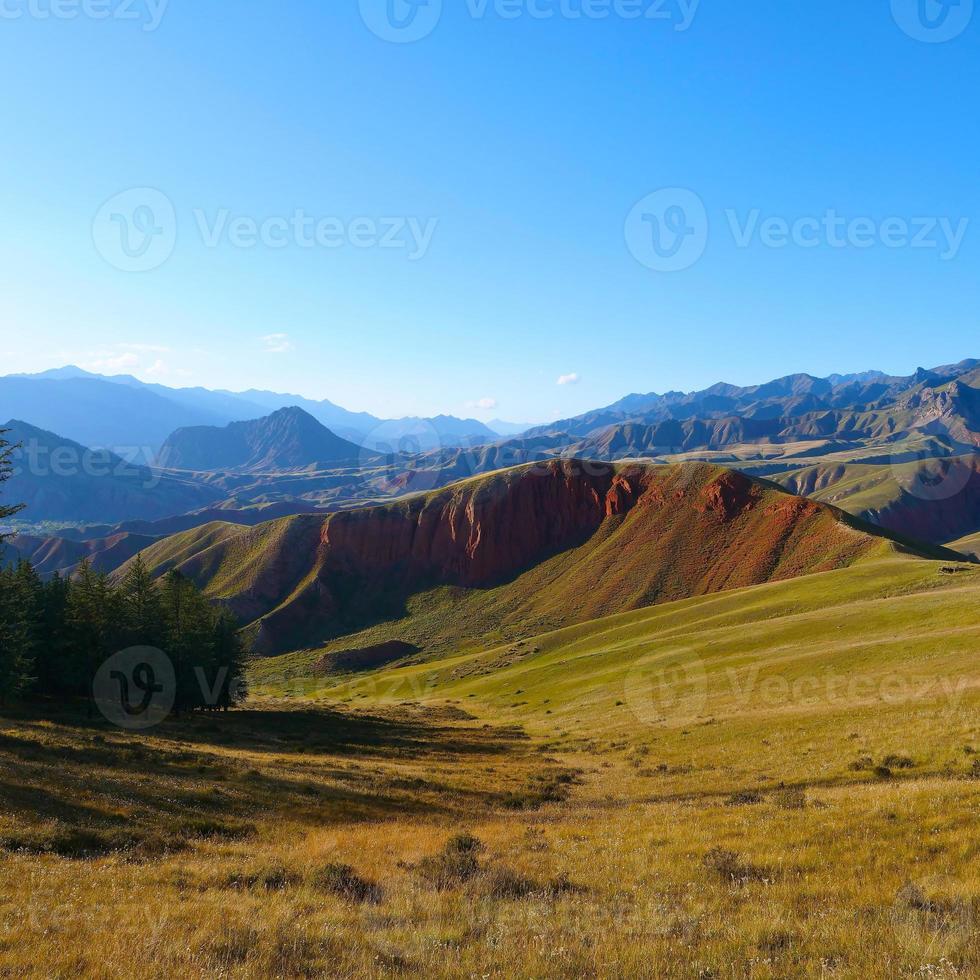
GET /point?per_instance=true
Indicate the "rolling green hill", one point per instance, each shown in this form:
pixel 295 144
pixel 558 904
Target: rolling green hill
pixel 530 548
pixel 832 650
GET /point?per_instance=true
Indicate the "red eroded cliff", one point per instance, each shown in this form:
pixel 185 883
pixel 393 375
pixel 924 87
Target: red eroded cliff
pixel 477 532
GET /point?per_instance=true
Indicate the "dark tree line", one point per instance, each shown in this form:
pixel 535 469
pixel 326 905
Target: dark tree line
pixel 56 634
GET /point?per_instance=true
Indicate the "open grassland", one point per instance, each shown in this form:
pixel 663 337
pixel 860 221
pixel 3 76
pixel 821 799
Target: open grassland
pixel 780 781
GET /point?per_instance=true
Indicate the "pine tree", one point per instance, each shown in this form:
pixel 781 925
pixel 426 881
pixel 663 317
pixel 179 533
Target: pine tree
pixel 141 608
pixel 15 616
pixel 189 638
pixel 6 470
pixel 93 615
pixel 55 669
pixel 227 682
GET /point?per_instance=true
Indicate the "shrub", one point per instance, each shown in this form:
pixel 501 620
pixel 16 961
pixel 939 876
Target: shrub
pixel 898 762
pixel 454 865
pixel 790 798
pixel 729 865
pixel 274 877
pixel 504 883
pixel 743 797
pixel 344 882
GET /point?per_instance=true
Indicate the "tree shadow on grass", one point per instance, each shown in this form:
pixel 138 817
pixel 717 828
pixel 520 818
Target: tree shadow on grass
pixel 217 776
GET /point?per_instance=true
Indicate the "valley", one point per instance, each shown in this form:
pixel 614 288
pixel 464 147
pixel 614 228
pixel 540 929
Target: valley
pixel 582 703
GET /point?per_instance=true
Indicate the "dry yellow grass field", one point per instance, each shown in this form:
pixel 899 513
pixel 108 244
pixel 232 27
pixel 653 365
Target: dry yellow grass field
pixel 698 790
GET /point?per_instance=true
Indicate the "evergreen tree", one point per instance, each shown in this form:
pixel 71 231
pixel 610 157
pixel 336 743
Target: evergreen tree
pixel 6 469
pixel 141 607
pixel 56 672
pixel 16 617
pixel 15 637
pixel 93 616
pixel 227 680
pixel 189 638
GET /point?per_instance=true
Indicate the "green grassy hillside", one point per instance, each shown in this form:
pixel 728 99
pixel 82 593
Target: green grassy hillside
pixel 787 649
pixel 520 550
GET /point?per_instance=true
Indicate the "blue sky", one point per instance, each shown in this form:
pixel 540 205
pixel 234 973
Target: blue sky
pixel 522 144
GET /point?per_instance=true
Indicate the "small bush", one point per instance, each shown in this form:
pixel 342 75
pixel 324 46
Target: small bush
pixel 883 772
pixel 344 882
pixel 454 865
pixel 562 885
pixel 729 866
pixel 206 827
pixel 743 798
pixel 550 788
pixel 503 883
pixel 790 798
pixel 898 762
pixel 273 877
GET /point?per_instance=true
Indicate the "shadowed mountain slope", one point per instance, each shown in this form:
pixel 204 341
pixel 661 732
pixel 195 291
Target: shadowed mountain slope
pixel 60 480
pixel 543 544
pixel 289 439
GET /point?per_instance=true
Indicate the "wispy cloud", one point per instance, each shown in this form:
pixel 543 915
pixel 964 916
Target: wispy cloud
pixel 123 361
pixel 569 379
pixel 484 404
pixel 277 343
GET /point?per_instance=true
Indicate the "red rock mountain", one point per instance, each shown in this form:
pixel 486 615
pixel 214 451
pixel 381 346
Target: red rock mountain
pixel 566 539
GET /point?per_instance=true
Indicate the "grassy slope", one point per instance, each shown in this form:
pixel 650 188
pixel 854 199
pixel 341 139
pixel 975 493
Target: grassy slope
pixel 617 874
pixel 970 545
pixel 895 617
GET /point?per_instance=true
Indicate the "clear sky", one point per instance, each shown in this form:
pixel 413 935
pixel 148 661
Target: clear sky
pixel 505 151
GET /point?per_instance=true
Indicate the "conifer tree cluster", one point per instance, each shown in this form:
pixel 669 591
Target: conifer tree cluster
pixel 56 634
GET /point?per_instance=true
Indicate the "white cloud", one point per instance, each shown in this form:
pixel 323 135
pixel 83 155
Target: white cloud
pixel 569 379
pixel 484 404
pixel 277 343
pixel 158 368
pixel 114 362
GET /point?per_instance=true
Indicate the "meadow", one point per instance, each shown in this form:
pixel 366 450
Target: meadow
pixel 778 781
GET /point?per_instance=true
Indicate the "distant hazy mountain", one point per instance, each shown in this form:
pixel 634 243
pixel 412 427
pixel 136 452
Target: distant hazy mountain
pixel 289 439
pixel 62 481
pixel 795 405
pixel 122 411
pixel 130 420
pixel 503 428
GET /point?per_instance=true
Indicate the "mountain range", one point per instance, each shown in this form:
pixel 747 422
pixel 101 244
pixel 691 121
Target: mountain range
pixel 900 452
pixel 131 416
